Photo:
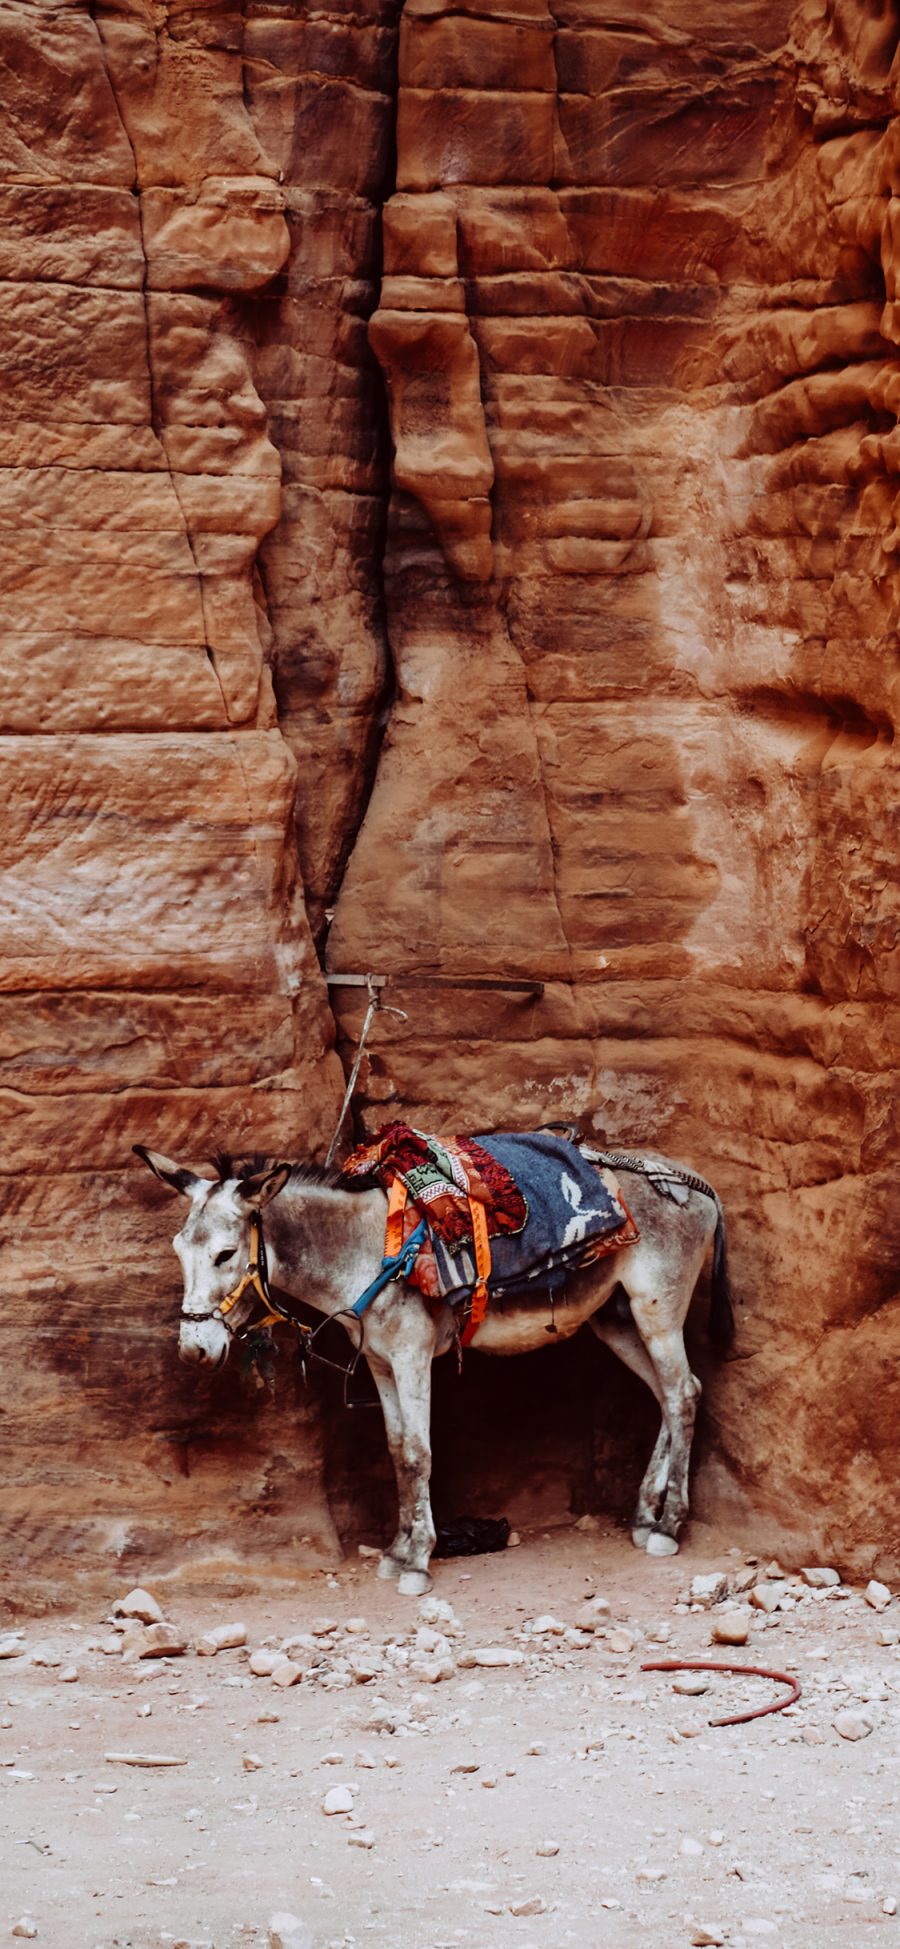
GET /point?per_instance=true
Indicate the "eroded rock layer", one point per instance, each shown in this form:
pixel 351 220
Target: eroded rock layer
pixel 448 473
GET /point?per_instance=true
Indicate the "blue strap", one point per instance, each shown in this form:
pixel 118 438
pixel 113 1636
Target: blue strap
pixel 395 1268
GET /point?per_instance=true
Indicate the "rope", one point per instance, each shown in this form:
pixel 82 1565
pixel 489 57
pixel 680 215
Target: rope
pixel 371 1012
pixel 656 1173
pixel 375 1003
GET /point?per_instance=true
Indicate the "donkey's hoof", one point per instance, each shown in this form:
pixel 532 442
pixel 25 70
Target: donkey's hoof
pixel 389 1570
pixel 640 1537
pixel 413 1583
pixel 660 1545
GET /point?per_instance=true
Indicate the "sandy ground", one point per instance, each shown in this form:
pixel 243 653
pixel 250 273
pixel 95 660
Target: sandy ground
pixel 572 1785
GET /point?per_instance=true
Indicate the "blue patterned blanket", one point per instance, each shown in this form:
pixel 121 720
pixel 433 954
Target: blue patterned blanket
pixel 572 1218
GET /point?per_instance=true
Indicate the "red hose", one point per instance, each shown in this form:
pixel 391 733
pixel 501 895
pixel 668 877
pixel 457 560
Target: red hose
pixel 715 1665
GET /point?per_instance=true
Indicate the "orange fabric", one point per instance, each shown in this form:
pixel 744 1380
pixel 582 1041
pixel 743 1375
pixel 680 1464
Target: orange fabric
pixel 393 1231
pixel 482 1245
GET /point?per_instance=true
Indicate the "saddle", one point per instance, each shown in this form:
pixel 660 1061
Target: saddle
pixel 505 1215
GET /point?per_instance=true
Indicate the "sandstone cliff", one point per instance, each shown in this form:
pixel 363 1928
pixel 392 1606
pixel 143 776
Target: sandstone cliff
pixel 450 524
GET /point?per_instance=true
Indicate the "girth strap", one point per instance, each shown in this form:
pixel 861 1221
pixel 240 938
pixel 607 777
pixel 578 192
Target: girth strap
pixel 482 1246
pixel 399 1262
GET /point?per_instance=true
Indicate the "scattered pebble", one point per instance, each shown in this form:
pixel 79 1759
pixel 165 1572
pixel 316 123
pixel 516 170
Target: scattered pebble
pixel 731 1627
pixel 533 1905
pixel 547 1848
pixel 767 1596
pixel 593 1615
pixel 361 1837
pixel 151 1641
pixel 143 1759
pixel 707 1591
pixel 877 1595
pixel 286 1673
pixel 47 1656
pixel 224 1637
pixel 497 1655
pixel 24 1927
pixel 691 1685
pixel 338 1800
pixel 854 1722
pixel 140 1604
pixel 288 1932
pixel 263 1663
pixel 818 1577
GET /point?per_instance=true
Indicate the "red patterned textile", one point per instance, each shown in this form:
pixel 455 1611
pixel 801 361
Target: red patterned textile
pixel 441 1174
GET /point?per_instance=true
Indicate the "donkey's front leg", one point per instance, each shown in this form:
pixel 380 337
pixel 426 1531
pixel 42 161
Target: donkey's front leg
pixel 403 1343
pixel 396 1559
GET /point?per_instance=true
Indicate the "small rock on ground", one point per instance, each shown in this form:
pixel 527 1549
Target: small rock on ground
pixel 151 1641
pixel 140 1604
pixel 854 1722
pixel 224 1637
pixel 767 1596
pixel 286 1673
pixel 288 1932
pixel 709 1590
pixel 338 1800
pixel 733 1627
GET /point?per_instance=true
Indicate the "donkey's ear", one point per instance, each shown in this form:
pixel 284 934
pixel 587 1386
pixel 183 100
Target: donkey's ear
pixel 263 1186
pixel 176 1176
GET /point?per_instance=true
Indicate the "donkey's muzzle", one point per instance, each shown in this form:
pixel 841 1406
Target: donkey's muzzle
pixel 203 1343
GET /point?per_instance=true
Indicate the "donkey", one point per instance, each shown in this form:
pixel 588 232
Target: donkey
pixel 323 1244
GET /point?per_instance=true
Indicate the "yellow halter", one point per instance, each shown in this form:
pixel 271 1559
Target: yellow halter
pixel 255 1278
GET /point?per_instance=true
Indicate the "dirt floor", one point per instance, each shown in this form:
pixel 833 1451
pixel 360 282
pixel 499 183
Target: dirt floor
pixel 569 1798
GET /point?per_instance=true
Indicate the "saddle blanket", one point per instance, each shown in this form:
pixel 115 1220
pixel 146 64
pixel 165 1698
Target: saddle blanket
pixel 441 1175
pixel 567 1214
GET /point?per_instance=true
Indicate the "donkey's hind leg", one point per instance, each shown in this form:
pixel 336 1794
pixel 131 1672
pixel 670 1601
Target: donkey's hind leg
pixel 680 1394
pixel 624 1341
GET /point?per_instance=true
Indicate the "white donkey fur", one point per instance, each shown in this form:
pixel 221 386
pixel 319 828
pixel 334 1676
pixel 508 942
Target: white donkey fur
pixel 324 1245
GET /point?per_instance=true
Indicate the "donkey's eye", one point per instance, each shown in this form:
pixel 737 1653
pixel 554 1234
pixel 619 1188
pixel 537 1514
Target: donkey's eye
pixel 222 1258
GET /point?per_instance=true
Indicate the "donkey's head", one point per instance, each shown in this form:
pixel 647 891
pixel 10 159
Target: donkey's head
pixel 216 1248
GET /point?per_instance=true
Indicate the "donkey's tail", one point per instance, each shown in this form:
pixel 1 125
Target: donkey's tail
pixel 721 1311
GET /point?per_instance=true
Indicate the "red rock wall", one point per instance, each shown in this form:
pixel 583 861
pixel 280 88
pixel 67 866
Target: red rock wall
pixel 448 464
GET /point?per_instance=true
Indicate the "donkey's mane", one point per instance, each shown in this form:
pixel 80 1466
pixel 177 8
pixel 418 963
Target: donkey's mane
pixel 302 1172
